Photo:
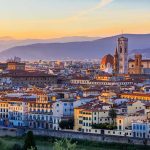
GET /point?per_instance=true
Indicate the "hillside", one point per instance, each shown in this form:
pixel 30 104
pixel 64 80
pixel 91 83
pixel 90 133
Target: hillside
pixel 79 50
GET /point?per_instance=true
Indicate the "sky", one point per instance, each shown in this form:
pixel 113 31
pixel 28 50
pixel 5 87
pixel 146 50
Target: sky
pixel 59 18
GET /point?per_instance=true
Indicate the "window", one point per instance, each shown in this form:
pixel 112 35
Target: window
pixel 65 104
pixel 80 122
pixel 134 126
pixel 143 127
pixel 120 49
pixel 140 127
pixel 119 127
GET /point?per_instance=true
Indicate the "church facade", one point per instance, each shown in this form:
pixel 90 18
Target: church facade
pixel 139 65
pixel 119 63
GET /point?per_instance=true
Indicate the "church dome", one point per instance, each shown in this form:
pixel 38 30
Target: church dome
pixel 107 59
pixel 106 64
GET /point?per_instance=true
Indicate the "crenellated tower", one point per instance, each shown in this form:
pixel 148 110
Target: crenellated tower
pixel 123 55
pixel 138 64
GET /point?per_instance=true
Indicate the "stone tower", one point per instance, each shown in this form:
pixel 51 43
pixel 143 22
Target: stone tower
pixel 138 64
pixel 123 55
pixel 116 62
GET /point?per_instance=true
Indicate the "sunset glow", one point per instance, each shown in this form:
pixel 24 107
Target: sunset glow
pixel 59 18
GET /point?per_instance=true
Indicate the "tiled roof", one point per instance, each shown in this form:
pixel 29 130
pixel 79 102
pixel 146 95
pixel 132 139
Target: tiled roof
pixel 26 74
pixel 94 105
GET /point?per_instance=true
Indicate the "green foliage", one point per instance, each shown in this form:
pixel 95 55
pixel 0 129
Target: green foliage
pixel 16 147
pixel 106 126
pixel 32 148
pixel 112 114
pixel 4 146
pixel 64 144
pixel 29 141
pixel 66 124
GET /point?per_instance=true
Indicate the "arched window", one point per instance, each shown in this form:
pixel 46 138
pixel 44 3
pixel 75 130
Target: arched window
pixel 120 49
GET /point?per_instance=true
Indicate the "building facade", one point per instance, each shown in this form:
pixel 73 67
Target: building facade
pixel 139 65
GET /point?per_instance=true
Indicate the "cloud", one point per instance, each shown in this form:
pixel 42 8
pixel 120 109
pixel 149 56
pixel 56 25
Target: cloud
pixel 100 5
pixel 83 13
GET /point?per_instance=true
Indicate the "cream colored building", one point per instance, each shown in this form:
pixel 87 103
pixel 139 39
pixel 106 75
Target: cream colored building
pixel 107 96
pixel 124 122
pixel 133 107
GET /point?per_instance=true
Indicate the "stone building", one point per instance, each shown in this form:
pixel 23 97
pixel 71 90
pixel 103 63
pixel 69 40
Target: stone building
pixel 139 65
pixel 15 66
pixel 25 78
pixel 12 66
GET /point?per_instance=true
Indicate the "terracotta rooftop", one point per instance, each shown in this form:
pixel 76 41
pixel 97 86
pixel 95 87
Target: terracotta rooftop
pixel 22 73
pixel 137 94
pixel 94 105
pixel 107 59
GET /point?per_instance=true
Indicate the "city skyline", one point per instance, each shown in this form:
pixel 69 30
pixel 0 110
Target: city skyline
pixel 52 19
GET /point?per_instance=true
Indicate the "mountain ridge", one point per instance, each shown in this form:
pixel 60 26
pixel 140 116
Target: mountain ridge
pixel 94 49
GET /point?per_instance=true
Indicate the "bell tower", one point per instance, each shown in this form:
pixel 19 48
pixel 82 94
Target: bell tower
pixel 123 55
pixel 116 62
pixel 138 64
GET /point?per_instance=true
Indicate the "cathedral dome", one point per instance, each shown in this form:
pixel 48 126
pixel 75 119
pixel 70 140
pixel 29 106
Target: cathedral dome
pixel 106 64
pixel 107 59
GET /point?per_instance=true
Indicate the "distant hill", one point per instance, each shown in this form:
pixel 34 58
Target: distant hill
pixel 79 50
pixel 145 52
pixel 9 42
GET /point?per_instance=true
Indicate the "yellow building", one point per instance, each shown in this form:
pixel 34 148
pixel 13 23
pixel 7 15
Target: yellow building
pixel 94 112
pixel 103 77
pixel 15 66
pixel 107 96
pixel 136 96
pixel 4 111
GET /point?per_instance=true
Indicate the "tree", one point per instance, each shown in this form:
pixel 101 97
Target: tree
pixel 64 144
pixel 66 124
pixel 16 147
pixel 29 141
pixel 63 124
pixel 104 126
pixel 112 114
pixel 71 123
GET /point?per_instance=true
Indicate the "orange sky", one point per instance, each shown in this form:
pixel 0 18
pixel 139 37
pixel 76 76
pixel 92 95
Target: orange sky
pixel 89 18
